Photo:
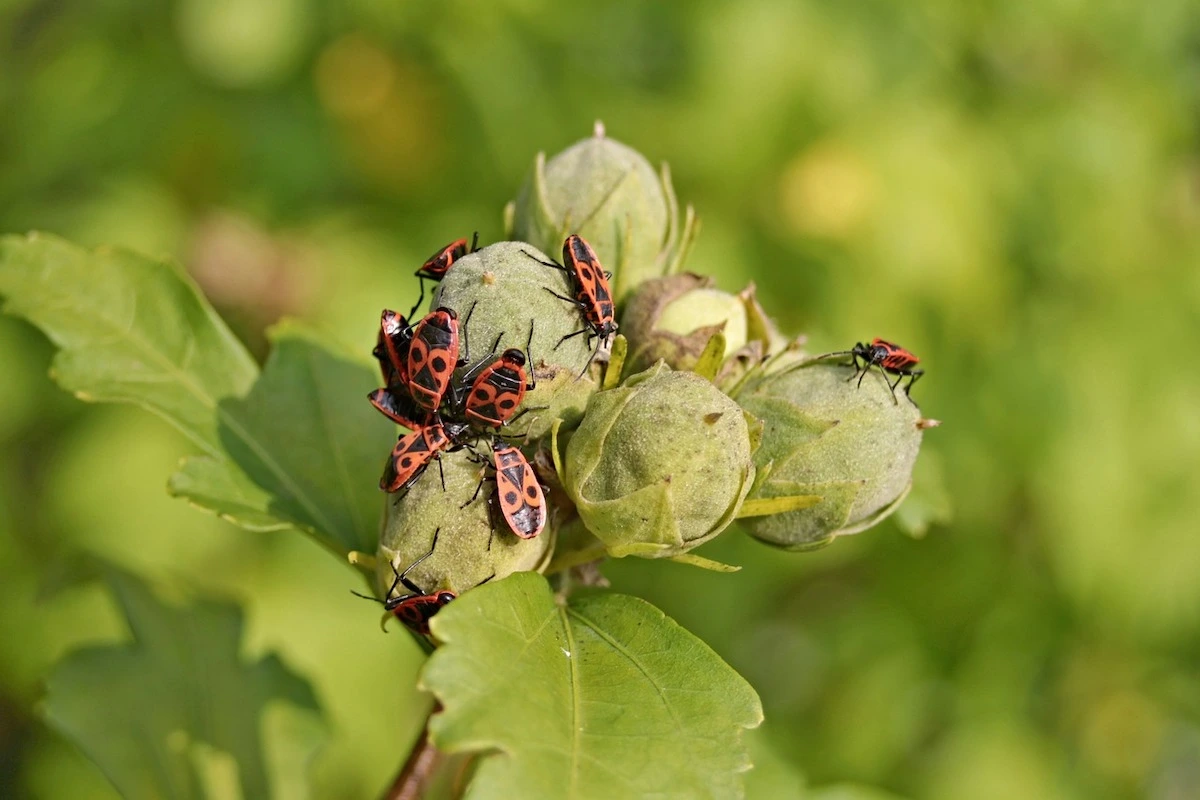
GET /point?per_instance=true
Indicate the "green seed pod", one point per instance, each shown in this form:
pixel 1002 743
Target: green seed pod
pixel 504 291
pixel 610 195
pixel 468 550
pixel 659 464
pixel 852 447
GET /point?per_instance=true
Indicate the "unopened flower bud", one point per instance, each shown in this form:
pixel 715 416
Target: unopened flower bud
pixel 673 319
pixel 609 194
pixel 500 295
pixel 659 464
pixel 852 448
pixel 468 550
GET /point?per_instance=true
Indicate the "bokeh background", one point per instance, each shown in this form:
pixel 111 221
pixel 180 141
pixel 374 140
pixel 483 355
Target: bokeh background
pixel 1010 189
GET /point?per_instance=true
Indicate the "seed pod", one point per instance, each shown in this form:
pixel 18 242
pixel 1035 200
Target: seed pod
pixel 611 195
pixel 463 557
pixel 659 464
pixel 851 446
pixel 504 291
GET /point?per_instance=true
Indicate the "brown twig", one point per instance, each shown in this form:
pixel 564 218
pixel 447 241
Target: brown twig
pixel 418 770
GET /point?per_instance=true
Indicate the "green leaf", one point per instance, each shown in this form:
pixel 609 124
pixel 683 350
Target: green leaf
pixel 129 329
pixel 601 697
pixel 303 448
pixel 710 359
pixel 219 486
pixel 307 435
pixel 177 713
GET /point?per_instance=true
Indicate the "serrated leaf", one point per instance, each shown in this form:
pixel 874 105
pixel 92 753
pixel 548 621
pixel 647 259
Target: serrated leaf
pixel 129 329
pixel 601 697
pixel 306 434
pixel 177 713
pixel 218 486
pixel 301 449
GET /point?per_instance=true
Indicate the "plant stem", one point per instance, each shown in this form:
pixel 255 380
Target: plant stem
pixel 417 772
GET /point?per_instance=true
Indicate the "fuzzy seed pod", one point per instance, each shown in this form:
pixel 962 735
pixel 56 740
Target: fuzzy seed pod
pixel 463 557
pixel 824 436
pixel 659 464
pixel 505 293
pixel 609 194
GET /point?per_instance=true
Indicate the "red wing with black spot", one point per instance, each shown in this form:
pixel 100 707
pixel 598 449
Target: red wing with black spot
pixel 591 283
pixel 432 357
pixel 498 390
pixel 518 493
pixel 411 456
pixel 440 262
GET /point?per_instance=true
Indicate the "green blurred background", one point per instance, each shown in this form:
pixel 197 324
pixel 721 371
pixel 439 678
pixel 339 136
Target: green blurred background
pixel 1012 190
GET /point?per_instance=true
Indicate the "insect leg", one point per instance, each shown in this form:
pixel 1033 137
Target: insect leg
pixel 572 336
pixel 570 300
pixel 551 264
pixel 403 576
pixel 466 345
pixel 530 382
pixel 474 497
pixel 421 298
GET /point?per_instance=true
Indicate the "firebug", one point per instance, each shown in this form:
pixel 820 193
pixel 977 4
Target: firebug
pixel 518 496
pixel 415 450
pixel 438 264
pixel 416 608
pixel 399 407
pixel 592 294
pixel 496 390
pixel 391 348
pixel 889 357
pixel 433 357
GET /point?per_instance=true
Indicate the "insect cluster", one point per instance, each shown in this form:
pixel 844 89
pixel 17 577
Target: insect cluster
pixel 449 404
pixel 646 443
